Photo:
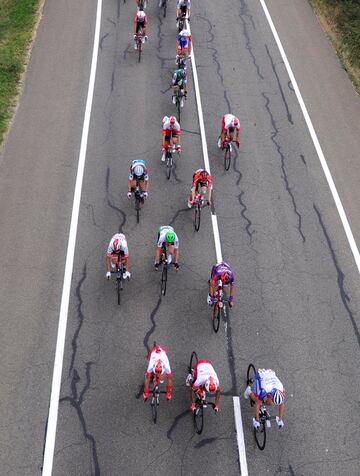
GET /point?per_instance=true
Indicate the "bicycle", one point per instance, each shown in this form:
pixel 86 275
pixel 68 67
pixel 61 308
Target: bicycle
pixel 155 398
pixel 200 401
pixel 139 41
pixel 181 21
pixel 163 4
pixel 164 261
pixel 139 199
pixel 179 98
pixel 227 148
pixel 198 204
pixel 219 307
pixel 119 276
pixel 264 416
pixel 142 4
pixel 171 148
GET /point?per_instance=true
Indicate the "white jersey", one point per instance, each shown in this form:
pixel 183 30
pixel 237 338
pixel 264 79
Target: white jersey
pixel 184 3
pixel 269 380
pixel 167 127
pixel 123 245
pixel 162 234
pixel 228 119
pixel 158 353
pixel 205 370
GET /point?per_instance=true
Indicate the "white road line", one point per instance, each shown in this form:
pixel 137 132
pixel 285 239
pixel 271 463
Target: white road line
pixel 64 308
pixel 237 409
pixel 240 435
pixel 316 142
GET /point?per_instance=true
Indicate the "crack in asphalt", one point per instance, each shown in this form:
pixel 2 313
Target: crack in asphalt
pixel 111 205
pixel 215 55
pixel 340 276
pixel 181 210
pixel 280 87
pixel 153 327
pixel 76 399
pixel 175 423
pixel 282 158
pixel 302 157
pixel 184 452
pixel 102 39
pixel 244 13
pixel 230 356
pixel 190 132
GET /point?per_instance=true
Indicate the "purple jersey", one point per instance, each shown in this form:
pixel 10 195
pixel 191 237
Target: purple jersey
pixel 218 270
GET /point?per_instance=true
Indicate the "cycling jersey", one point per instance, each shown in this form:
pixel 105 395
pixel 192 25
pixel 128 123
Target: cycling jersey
pixel 158 353
pixel 169 129
pixel 218 270
pixel 203 370
pixel 177 78
pixel 183 3
pixel 123 246
pixel 197 180
pixel 162 236
pixel 266 382
pixel 140 23
pixel 227 122
pixel 132 176
pixel 183 41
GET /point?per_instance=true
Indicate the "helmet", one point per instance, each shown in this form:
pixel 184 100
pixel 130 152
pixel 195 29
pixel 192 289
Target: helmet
pixel 170 237
pixel 277 397
pixel 185 33
pixel 159 367
pixel 235 121
pixel 225 277
pixel 172 120
pixel 138 170
pixel 204 175
pixel 165 119
pixel 210 385
pixel 141 15
pixel 182 73
pixel 117 246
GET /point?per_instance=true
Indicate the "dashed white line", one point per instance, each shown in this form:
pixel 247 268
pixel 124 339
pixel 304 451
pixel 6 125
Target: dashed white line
pixel 237 408
pixel 64 307
pixel 316 142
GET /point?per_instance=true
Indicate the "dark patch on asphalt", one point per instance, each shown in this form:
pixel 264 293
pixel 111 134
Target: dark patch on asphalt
pixel 153 327
pixel 119 211
pixel 340 276
pixel 290 86
pixel 230 355
pixel 241 200
pixel 303 159
pixel 204 442
pixel 175 423
pixel 181 210
pixel 282 158
pixel 280 87
pixel 244 13
pixel 190 132
pixel 102 40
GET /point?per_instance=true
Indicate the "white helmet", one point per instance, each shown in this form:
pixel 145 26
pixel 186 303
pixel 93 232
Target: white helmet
pixel 138 170
pixel 141 15
pixel 278 397
pixel 185 33
pixel 165 119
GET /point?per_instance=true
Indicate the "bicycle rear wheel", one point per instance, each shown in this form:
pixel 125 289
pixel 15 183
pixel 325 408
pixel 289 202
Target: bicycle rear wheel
pixel 164 280
pixel 197 217
pixel 139 49
pixel 193 360
pixel 260 435
pixel 137 208
pixel 227 157
pixel 216 317
pixel 199 419
pixel 154 409
pixel 250 377
pixel 169 164
pixel 118 289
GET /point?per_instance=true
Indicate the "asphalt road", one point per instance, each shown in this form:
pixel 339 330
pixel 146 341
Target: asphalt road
pixel 297 293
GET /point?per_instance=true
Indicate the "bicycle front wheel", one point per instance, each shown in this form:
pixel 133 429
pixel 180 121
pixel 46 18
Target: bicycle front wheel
pixel 199 419
pixel 164 6
pixel 193 360
pixel 154 409
pixel 118 289
pixel 250 378
pixel 139 49
pixel 216 317
pixel 260 435
pixel 163 280
pixel 227 158
pixel 169 164
pixel 197 217
pixel 137 208
pixel 178 107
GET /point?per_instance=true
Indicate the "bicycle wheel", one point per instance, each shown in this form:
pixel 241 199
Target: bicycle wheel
pixel 199 418
pixel 197 217
pixel 169 164
pixel 260 435
pixel 163 280
pixel 216 317
pixel 118 289
pixel 139 49
pixel 137 208
pixel 227 157
pixel 154 409
pixel 178 106
pixel 193 360
pixel 250 377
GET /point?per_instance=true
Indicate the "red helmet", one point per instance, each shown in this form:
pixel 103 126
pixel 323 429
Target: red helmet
pixel 204 175
pixel 236 121
pixel 172 120
pixel 210 385
pixel 116 246
pixel 159 367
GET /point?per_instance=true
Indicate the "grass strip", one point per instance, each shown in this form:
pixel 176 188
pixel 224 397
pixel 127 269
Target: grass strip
pixel 341 21
pixel 17 21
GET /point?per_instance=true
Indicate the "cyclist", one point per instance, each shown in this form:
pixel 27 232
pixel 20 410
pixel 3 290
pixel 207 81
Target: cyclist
pixel 183 9
pixel 118 248
pixel 221 271
pixel 267 389
pixel 138 174
pixel 229 124
pixel 201 179
pixel 171 129
pixel 184 42
pixel 160 366
pixel 140 23
pixel 167 238
pixel 204 378
pixel 179 81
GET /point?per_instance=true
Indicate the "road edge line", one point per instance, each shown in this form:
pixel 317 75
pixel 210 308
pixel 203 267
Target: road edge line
pixel 326 170
pixel 240 436
pixel 65 297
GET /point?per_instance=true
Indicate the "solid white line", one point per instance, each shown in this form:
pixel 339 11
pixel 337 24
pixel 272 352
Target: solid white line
pixel 64 308
pixel 240 436
pixel 316 142
pixel 238 420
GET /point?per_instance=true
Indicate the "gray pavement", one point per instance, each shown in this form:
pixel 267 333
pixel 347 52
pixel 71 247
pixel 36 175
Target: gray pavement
pixel 297 293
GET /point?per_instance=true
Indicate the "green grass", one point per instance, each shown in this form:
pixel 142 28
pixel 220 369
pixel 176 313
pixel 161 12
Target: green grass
pixel 341 20
pixel 17 20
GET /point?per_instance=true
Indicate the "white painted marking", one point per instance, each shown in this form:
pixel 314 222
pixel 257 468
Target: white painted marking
pixel 240 436
pixel 316 142
pixel 64 308
pixel 238 420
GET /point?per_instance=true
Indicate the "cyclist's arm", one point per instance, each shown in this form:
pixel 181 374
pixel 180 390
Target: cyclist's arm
pixel 232 289
pixel 157 254
pixel 126 263
pixel 257 408
pixel 169 380
pixel 192 395
pixel 217 397
pixel 281 411
pixel 146 185
pixel 212 288
pixel 129 185
pixel 108 259
pixel 176 255
pixel 147 381
pixel 209 193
